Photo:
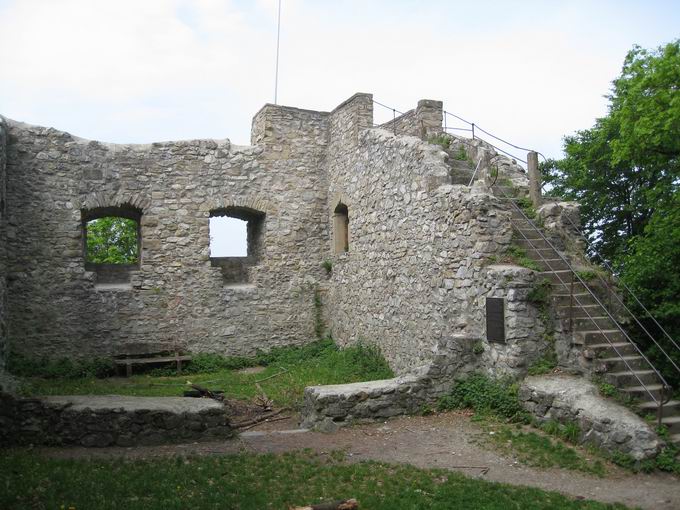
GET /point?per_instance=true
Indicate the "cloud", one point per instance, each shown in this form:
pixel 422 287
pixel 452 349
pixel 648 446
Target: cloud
pixel 165 69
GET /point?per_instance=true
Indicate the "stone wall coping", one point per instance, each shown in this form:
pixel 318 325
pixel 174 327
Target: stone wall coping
pixel 362 387
pixel 219 142
pixel 177 405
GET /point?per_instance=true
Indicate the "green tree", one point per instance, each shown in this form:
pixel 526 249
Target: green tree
pixel 627 165
pixel 625 172
pixel 112 240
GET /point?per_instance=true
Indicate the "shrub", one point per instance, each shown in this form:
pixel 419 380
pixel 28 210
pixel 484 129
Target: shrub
pixel 485 395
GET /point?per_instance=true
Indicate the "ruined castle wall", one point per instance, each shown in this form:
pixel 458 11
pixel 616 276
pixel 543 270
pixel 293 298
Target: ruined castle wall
pixel 418 246
pixel 176 298
pixel 3 248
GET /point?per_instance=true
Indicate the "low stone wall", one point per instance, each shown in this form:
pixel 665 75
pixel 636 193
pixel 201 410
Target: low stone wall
pixel 326 408
pixel 98 421
pixel 603 423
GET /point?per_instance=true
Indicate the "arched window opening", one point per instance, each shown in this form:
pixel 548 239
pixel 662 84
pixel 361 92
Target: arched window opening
pixel 341 228
pixel 236 241
pixel 112 242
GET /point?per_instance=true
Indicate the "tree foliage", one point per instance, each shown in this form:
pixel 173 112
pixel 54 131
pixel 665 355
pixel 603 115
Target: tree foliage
pixel 625 172
pixel 112 240
pixel 627 165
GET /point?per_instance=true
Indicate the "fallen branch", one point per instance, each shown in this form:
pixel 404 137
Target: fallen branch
pixel 283 371
pixel 263 400
pixel 343 504
pixel 260 419
pixel 268 420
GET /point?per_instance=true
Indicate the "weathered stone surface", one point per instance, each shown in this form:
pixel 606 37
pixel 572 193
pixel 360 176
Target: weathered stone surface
pixel 98 421
pixel 415 274
pixel 603 422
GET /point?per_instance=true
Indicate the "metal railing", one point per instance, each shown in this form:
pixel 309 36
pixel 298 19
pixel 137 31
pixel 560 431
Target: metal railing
pixel 574 297
pixel 611 292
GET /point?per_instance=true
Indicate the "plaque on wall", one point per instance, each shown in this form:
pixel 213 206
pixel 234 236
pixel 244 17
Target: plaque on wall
pixel 495 320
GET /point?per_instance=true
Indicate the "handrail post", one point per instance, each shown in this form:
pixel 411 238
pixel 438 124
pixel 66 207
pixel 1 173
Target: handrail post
pixel 473 130
pixel 534 178
pixel 394 121
pixel 571 304
pixel 659 409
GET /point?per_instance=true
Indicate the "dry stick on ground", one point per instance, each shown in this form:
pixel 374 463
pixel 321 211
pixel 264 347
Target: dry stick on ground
pixel 283 371
pixel 261 418
pixel 266 420
pixel 263 400
pixel 343 504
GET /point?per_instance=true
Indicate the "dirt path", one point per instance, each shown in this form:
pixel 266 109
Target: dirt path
pixel 443 441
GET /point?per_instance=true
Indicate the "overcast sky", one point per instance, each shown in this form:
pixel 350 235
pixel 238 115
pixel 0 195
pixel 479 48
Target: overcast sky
pixel 150 70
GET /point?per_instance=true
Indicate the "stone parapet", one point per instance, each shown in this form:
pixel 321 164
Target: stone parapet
pixel 98 421
pixel 602 422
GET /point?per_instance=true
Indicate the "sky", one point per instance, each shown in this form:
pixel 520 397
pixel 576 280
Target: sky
pixel 135 71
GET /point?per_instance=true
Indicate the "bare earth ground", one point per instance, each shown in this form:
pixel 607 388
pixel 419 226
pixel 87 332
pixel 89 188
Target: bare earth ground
pixel 448 441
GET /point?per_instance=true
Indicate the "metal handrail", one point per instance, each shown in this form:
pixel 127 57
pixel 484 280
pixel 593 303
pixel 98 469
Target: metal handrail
pixel 631 293
pixel 665 384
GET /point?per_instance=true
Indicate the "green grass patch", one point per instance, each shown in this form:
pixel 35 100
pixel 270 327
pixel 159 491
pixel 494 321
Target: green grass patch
pixel 518 256
pixel 249 481
pixel 527 206
pixel 320 362
pixel 442 140
pixel 538 450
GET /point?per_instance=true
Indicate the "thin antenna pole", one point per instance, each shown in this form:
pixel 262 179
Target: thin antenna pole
pixel 278 38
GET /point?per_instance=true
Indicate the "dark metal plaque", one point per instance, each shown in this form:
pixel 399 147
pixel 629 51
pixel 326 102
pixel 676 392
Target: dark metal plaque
pixel 495 320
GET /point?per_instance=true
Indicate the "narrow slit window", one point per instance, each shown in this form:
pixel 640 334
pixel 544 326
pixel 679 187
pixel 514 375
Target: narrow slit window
pixel 341 228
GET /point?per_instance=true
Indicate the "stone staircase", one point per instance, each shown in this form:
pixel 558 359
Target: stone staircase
pixel 583 312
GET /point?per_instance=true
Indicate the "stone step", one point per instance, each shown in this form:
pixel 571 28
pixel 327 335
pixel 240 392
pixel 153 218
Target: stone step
pixel 563 299
pixel 617 364
pixel 670 408
pixel 643 393
pixel 555 264
pixel 675 439
pixel 563 276
pixel 591 310
pixel 626 378
pixel 597 336
pixel 609 350
pixel 589 323
pixel 536 244
pixel 567 288
pixel 672 423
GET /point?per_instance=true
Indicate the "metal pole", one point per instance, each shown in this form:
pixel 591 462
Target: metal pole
pixel 278 38
pixel 394 120
pixel 473 130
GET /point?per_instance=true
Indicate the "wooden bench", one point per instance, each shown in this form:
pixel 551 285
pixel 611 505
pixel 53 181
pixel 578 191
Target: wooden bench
pixel 148 359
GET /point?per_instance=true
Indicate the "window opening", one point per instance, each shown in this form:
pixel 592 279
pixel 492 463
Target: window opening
pixel 228 237
pixel 112 243
pixel 236 241
pixel 341 228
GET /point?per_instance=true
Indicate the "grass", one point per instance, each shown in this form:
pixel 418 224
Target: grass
pixel 518 256
pixel 251 481
pixel 319 362
pixel 538 450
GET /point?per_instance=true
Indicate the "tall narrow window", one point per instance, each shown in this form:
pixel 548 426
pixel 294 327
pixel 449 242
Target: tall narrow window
pixel 112 242
pixel 341 228
pixel 236 241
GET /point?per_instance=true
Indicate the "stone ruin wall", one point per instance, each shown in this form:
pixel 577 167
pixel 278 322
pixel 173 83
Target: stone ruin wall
pixel 3 250
pixel 176 297
pixel 414 281
pixel 417 271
